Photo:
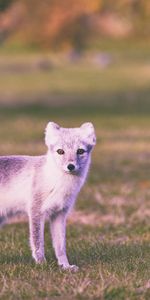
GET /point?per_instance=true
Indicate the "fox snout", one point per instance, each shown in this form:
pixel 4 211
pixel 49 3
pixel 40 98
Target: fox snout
pixel 71 167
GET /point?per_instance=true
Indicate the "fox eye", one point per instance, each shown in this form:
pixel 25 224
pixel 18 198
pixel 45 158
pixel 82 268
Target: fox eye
pixel 60 151
pixel 80 151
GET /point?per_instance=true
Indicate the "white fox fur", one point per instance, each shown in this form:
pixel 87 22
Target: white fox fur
pixel 47 185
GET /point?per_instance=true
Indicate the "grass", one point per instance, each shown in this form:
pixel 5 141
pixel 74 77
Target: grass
pixel 122 85
pixel 108 233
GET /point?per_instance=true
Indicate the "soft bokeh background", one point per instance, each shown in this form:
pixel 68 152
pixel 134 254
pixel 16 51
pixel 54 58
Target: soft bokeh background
pixel 72 61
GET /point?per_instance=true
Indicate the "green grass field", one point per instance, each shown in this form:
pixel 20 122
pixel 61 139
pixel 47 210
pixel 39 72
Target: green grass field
pixel 108 234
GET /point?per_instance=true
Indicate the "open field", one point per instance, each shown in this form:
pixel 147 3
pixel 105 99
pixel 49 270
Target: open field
pixel 111 79
pixel 108 234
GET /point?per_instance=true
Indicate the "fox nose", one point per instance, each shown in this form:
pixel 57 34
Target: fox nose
pixel 71 167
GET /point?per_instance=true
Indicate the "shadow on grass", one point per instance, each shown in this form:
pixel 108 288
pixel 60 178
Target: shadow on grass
pixel 126 102
pixel 15 259
pixel 26 259
pixel 129 256
pixel 113 171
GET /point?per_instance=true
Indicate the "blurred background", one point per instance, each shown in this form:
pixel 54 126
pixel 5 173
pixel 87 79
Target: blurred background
pixel 78 54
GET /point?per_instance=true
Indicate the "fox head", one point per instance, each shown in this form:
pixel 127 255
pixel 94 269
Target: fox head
pixel 70 147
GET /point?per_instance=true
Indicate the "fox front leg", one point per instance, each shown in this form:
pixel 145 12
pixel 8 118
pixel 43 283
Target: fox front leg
pixel 36 224
pixel 58 233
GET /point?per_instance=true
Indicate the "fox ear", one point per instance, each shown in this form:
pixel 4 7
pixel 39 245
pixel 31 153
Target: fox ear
pixel 88 133
pixel 51 133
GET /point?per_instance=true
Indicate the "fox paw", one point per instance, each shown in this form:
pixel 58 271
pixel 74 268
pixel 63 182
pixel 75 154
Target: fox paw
pixel 72 268
pixel 40 259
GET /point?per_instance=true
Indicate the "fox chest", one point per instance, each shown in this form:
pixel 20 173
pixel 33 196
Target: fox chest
pixel 62 197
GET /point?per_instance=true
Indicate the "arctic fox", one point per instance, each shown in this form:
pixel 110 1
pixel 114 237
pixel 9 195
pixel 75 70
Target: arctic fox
pixel 47 186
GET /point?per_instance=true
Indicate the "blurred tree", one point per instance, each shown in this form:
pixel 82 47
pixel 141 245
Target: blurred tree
pixel 70 23
pixel 57 23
